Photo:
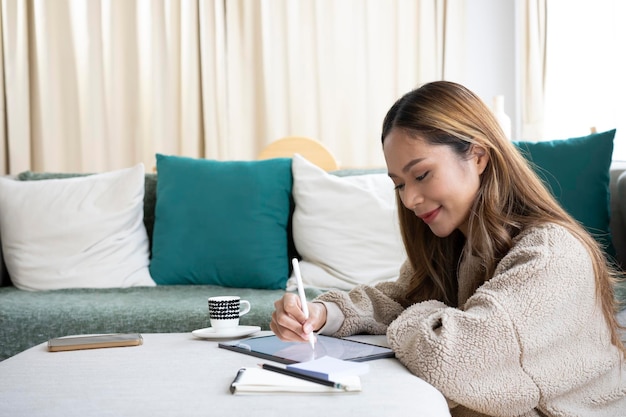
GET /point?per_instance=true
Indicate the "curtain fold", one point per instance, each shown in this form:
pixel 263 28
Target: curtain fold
pixel 16 71
pixel 533 70
pixel 4 163
pixel 213 91
pixel 97 85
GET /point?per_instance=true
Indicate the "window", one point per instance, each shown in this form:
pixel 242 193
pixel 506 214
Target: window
pixel 586 70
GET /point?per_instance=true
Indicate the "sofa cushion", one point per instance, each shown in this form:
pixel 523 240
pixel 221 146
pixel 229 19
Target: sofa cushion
pixel 344 228
pixel 221 222
pixel 576 170
pixel 82 232
pixel 149 198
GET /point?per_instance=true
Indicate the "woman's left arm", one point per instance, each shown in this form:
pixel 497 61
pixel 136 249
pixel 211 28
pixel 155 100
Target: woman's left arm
pixel 471 356
pixel 523 326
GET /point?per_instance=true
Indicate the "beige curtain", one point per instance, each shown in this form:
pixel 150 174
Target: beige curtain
pixel 16 144
pixel 533 67
pixel 100 85
pixel 3 126
pixel 325 69
pixel 97 85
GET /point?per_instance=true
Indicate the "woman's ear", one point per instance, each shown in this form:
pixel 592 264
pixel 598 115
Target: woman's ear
pixel 481 158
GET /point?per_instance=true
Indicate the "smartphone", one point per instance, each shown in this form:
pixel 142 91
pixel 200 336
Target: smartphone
pixel 94 341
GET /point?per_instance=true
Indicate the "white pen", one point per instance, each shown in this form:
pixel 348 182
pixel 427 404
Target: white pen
pixel 305 307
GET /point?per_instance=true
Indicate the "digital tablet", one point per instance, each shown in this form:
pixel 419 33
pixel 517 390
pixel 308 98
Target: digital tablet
pixel 272 348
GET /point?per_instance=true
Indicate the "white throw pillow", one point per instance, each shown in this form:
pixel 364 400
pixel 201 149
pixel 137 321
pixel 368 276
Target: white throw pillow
pixel 82 232
pixel 345 228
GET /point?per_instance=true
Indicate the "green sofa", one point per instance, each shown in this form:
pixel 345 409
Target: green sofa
pixel 28 318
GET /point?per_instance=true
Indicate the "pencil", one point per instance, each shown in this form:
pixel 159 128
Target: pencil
pixel 298 375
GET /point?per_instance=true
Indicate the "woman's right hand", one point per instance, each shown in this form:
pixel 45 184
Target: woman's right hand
pixel 288 321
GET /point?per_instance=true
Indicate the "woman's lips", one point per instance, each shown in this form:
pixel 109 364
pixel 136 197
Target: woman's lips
pixel 430 216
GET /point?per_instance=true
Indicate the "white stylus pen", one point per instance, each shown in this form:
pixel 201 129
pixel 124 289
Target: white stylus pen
pixel 305 307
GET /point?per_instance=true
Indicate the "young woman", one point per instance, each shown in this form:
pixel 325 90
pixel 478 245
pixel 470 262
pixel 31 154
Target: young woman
pixel 505 303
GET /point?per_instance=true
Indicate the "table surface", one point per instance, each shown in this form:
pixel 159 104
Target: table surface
pixel 178 374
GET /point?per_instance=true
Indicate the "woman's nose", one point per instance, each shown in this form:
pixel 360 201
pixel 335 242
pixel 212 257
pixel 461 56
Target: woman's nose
pixel 412 197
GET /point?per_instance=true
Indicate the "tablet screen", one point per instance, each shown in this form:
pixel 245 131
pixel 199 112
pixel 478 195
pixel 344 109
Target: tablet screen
pixel 272 348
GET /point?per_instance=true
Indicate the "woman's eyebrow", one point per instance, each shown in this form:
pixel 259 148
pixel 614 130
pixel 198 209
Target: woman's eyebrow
pixel 410 164
pixel 407 167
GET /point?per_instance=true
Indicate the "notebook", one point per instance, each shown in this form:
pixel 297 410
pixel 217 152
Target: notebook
pixel 250 381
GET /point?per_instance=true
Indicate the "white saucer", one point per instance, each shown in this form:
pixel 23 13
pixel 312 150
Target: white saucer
pixel 239 331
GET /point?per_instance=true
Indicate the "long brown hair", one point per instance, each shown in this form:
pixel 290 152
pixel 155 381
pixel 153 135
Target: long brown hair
pixel 510 197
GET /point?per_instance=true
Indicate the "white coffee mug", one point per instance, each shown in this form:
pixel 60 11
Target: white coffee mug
pixel 224 311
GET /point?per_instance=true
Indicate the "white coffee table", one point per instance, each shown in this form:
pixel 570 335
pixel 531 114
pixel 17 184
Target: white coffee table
pixel 179 375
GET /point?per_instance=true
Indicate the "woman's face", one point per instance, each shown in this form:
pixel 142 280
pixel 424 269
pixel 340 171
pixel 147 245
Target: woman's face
pixel 434 182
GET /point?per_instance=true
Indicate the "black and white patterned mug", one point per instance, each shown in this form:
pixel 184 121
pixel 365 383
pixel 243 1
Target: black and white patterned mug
pixel 224 311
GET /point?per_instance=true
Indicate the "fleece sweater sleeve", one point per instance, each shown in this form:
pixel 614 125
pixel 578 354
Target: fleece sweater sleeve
pixel 490 355
pixel 471 356
pixel 365 309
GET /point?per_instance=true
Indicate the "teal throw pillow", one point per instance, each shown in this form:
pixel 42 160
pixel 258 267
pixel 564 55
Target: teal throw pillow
pixel 221 222
pixel 576 170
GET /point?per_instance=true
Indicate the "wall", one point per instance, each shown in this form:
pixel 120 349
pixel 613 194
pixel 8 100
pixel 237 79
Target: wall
pixel 488 65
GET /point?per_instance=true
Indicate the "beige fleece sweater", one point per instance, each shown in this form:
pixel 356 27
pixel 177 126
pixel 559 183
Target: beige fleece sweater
pixel 532 341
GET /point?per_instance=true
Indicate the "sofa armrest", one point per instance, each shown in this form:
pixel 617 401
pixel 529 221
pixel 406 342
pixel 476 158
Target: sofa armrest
pixel 618 211
pixel 5 280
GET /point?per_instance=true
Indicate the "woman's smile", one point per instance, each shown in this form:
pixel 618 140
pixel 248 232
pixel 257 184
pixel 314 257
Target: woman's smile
pixel 430 216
